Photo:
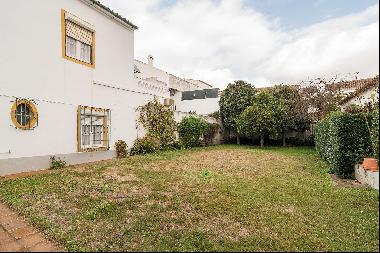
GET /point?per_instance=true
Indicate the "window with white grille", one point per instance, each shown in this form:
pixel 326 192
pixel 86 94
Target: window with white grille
pixel 93 125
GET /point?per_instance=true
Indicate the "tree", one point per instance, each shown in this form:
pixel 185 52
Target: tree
pixel 295 117
pixel 263 116
pixel 321 96
pixel 236 98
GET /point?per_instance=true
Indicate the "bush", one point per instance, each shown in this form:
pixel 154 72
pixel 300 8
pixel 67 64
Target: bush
pixel 158 121
pixel 191 129
pixel 121 149
pixel 56 163
pixel 210 133
pixel 145 145
pixel 343 140
pixel 375 134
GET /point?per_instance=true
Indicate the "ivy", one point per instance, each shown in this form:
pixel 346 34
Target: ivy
pixel 158 121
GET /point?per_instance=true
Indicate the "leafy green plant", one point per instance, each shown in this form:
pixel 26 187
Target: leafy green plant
pixel 264 116
pixel 121 149
pixel 210 133
pixel 215 115
pixel 57 163
pixel 158 121
pixel 375 134
pixel 191 129
pixel 145 145
pixel 235 99
pixel 343 140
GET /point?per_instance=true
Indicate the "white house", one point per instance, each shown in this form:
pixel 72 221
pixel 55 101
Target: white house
pixel 367 91
pixel 67 83
pixel 152 78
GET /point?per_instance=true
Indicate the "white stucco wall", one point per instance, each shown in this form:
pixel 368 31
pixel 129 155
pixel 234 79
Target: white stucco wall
pixel 364 98
pixel 31 66
pixel 199 106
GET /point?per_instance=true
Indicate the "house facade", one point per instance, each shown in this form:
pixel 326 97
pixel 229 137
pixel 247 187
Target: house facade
pixel 366 92
pixel 67 83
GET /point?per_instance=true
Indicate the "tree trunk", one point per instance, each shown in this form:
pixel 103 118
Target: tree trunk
pixel 283 139
pixel 262 141
pixel 238 139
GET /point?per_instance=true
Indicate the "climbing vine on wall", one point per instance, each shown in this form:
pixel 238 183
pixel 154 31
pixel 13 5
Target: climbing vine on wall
pixel 158 121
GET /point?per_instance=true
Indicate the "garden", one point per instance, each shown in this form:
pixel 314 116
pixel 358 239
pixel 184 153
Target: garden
pixel 219 198
pixel 182 193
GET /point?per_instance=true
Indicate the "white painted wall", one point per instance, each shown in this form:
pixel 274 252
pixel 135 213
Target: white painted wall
pixel 31 66
pixel 200 106
pixel 364 98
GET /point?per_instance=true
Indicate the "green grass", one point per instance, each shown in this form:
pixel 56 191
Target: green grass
pixel 222 198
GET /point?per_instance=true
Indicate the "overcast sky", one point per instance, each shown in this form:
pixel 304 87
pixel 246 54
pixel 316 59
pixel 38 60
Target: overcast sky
pixel 261 41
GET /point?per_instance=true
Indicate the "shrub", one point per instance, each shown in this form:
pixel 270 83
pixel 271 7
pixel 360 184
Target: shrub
pixel 121 149
pixel 158 121
pixel 145 145
pixel 210 133
pixel 191 129
pixel 57 163
pixel 375 134
pixel 343 140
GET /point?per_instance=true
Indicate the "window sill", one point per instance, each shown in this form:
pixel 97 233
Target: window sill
pixel 90 65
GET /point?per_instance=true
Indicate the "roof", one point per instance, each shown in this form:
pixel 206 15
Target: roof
pixel 269 88
pixel 356 84
pixel 113 13
pixel 365 84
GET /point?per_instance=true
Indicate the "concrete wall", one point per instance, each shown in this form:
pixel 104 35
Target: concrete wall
pixel 369 178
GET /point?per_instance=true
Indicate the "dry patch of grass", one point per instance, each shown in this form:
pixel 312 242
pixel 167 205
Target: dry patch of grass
pixel 208 199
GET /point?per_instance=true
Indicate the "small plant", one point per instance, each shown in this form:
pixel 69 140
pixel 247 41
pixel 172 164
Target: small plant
pixel 121 149
pixel 145 145
pixel 57 163
pixel 206 174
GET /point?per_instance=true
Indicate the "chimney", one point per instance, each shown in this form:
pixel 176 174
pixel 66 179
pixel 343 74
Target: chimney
pixel 150 60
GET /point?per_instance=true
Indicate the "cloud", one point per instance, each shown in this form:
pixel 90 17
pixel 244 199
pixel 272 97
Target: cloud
pixel 219 41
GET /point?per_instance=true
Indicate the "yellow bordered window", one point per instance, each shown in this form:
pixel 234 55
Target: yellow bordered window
pixel 93 125
pixel 24 114
pixel 78 40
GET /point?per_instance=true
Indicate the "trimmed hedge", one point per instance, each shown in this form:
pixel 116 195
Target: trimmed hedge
pixel 343 140
pixel 375 134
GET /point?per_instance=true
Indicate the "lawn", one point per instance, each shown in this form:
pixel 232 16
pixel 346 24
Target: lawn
pixel 230 198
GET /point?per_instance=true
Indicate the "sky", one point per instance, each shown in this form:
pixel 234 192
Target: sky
pixel 264 42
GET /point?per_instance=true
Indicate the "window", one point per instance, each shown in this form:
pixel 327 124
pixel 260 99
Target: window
pixel 71 47
pixel 93 125
pixel 24 114
pixel 78 41
pixel 78 50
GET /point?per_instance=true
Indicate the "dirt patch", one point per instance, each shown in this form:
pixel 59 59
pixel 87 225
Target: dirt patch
pixel 346 183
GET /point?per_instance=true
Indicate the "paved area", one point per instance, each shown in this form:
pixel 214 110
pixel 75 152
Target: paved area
pixel 16 235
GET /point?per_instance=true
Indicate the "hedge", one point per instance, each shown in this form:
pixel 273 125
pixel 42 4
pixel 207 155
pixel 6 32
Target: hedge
pixel 343 140
pixel 375 134
pixel 191 129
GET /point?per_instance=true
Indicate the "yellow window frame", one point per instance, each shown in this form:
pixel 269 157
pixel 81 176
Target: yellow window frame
pixel 63 35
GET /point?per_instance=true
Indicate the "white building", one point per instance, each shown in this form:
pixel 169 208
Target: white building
pixel 67 83
pixel 152 78
pixel 366 91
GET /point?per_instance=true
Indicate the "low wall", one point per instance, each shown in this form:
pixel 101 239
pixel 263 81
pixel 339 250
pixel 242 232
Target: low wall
pixel 367 177
pixel 28 164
